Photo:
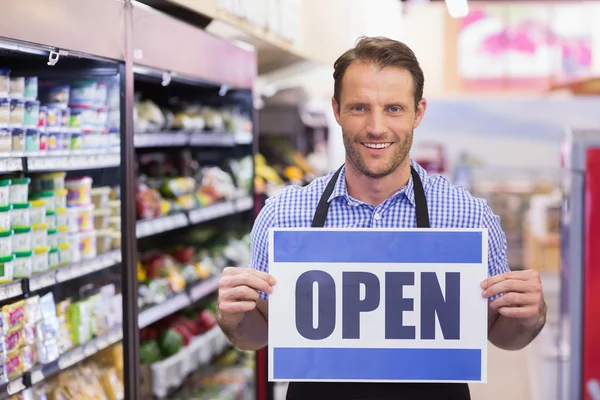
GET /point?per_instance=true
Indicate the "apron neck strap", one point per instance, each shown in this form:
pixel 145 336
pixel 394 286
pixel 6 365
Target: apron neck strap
pixel 422 211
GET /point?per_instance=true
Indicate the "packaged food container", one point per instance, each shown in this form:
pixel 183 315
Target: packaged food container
pixel 39 236
pixel 53 258
pixel 21 239
pixel 32 140
pixel 4 82
pixel 101 218
pixel 61 198
pixel 51 219
pixel 87 245
pixel 47 197
pixel 43 117
pixel 4 110
pixel 79 191
pixel 7 268
pixel 19 188
pixel 83 118
pixel 104 241
pixel 55 94
pixel 55 140
pixel 75 245
pixel 52 238
pixel 102 117
pixel 22 264
pixel 54 117
pixel 116 239
pixel 101 94
pixel 4 192
pixel 18 140
pixel 17 113
pixel 5 140
pixel 40 260
pixel 62 235
pixel 66 140
pixel 62 218
pixel 32 111
pixel 6 240
pixel 66 117
pixel 85 219
pixel 43 140
pixel 5 217
pixel 19 216
pixel 37 212
pixel 73 219
pixel 17 87
pixel 31 88
pixel 83 93
pixel 114 223
pixel 64 254
pixel 48 182
pixel 115 207
pixel 76 143
pixel 100 196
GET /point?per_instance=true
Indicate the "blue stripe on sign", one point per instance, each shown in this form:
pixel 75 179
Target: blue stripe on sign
pixel 378 246
pixel 377 364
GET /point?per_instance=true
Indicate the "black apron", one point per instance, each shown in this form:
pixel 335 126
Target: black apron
pixel 378 391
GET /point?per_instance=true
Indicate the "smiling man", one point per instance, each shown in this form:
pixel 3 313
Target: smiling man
pixel 378 101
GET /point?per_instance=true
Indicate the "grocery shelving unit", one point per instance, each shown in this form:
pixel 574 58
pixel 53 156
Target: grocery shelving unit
pixel 137 50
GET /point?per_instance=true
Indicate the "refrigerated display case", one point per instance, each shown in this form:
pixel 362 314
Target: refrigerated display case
pixel 579 330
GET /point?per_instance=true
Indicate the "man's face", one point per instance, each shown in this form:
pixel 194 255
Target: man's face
pixel 377 114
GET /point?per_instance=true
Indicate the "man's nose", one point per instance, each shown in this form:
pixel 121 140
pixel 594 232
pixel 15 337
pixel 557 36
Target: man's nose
pixel 376 125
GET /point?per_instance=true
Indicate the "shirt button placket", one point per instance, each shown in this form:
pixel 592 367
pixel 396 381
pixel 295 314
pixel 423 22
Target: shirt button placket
pixel 377 219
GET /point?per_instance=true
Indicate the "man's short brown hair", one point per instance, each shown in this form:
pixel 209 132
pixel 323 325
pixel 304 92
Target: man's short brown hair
pixel 383 52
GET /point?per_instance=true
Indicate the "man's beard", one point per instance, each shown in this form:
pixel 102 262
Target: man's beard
pixel 397 158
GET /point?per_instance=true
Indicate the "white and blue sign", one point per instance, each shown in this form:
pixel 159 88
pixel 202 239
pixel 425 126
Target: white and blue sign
pixel 378 305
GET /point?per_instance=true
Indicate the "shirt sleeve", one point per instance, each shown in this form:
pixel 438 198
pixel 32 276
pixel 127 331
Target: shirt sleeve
pixel 259 239
pixel 497 259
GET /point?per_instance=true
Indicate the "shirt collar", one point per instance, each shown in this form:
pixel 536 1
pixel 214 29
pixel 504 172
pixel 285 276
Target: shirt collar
pixel 341 190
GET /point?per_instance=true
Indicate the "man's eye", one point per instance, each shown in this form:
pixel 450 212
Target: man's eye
pixel 358 108
pixel 394 109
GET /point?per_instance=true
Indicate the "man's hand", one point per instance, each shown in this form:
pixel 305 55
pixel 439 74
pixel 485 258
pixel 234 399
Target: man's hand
pixel 522 298
pixel 238 294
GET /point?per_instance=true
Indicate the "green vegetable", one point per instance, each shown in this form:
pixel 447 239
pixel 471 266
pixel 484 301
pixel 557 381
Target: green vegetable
pixel 170 342
pixel 150 352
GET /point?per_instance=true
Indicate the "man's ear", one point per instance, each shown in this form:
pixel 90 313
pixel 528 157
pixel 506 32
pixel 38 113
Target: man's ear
pixel 336 109
pixel 420 112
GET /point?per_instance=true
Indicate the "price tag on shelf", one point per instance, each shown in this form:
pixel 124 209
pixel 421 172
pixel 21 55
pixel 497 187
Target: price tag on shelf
pixel 71 358
pixel 115 336
pixel 15 386
pixel 90 349
pixel 14 164
pixel 102 342
pixel 37 282
pixel 37 375
pixel 13 290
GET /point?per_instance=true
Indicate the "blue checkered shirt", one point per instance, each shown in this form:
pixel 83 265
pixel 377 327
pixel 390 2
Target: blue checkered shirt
pixel 449 207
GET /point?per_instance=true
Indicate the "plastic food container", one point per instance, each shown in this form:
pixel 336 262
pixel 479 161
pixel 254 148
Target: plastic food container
pixel 6 243
pixel 43 117
pixel 61 198
pixel 79 191
pixel 4 111
pixel 54 141
pixel 56 95
pixel 64 254
pixel 51 219
pixel 114 223
pixel 7 268
pixel 4 82
pixel 115 207
pixel 40 260
pixel 32 140
pixel 76 140
pixel 48 182
pixel 22 264
pixel 21 239
pixel 19 216
pixel 82 117
pixel 62 235
pixel 17 113
pixel 62 218
pixel 17 87
pixel 100 196
pixel 52 238
pixel 32 111
pixel 116 240
pixel 39 236
pixel 85 218
pixel 75 245
pixel 73 219
pixel 53 258
pixel 5 217
pixel 66 140
pixel 18 140
pixel 37 212
pixel 18 190
pixel 31 88
pixel 54 117
pixel 87 245
pixel 104 241
pixel 4 192
pixel 83 93
pixel 5 140
pixel 43 140
pixel 102 218
pixel 47 197
pixel 66 117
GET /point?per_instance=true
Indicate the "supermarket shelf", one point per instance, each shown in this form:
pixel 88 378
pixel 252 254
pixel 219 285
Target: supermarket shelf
pixel 178 302
pixel 34 283
pixel 70 358
pixel 155 226
pixel 63 161
pixel 179 139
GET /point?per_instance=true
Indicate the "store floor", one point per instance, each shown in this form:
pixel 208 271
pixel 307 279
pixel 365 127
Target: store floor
pixel 513 375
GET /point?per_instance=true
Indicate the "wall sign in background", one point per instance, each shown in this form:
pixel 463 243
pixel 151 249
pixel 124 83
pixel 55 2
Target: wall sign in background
pixel 378 305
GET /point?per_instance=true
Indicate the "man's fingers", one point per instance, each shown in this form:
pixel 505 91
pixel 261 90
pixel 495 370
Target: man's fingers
pixel 235 307
pixel 264 276
pixel 519 312
pixel 514 300
pixel 516 275
pixel 249 280
pixel 235 271
pixel 240 293
pixel 507 286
